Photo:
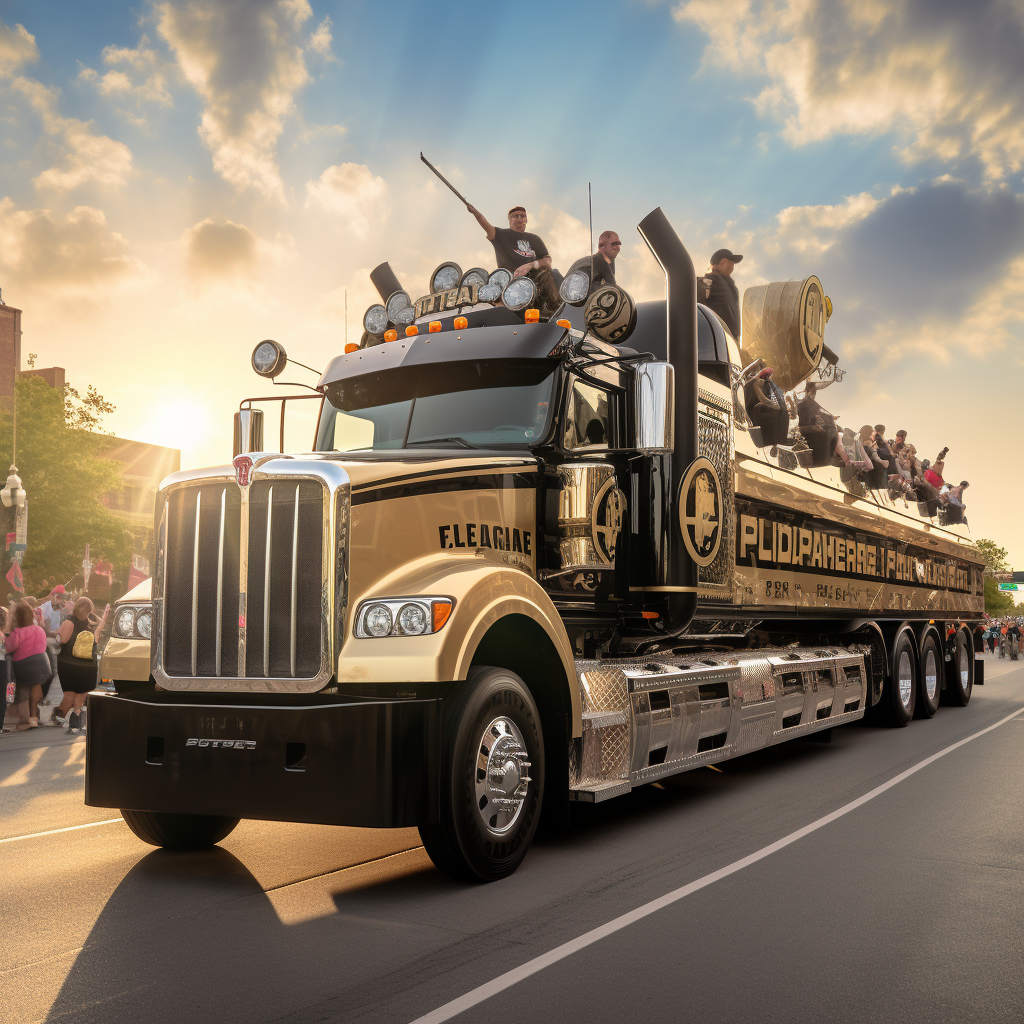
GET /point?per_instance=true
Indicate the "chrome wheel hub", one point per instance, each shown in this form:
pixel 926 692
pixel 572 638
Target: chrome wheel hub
pixel 906 679
pixel 502 776
pixel 931 676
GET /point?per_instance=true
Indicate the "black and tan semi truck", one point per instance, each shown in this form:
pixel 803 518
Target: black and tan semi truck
pixel 527 562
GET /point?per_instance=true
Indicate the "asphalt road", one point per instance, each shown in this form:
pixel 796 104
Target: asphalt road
pixel 908 908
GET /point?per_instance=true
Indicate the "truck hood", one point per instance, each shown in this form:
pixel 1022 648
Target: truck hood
pixel 366 469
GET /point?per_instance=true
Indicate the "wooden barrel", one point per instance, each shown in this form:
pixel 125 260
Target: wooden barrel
pixel 784 324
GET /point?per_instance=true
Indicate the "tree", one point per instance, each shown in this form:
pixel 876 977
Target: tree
pixel 996 602
pixel 65 475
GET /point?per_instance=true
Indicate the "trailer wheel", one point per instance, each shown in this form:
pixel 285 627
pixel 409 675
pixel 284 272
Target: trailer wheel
pixel 960 672
pixel 492 778
pixel 179 831
pixel 903 688
pixel 929 678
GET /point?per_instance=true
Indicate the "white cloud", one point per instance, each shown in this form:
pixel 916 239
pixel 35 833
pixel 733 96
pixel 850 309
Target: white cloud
pixel 321 41
pixel 226 251
pixel 17 47
pixel 74 253
pixel 139 74
pixel 245 60
pixel 947 79
pixel 85 156
pixel 353 192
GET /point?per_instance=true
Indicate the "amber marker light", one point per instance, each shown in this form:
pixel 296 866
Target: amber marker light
pixel 564 323
pixel 532 316
pixel 411 331
pixel 649 615
pixel 442 609
pixel 434 326
pixel 461 323
pixel 351 347
pixel 391 335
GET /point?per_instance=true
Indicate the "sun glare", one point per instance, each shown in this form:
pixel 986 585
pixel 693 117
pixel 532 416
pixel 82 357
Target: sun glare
pixel 186 424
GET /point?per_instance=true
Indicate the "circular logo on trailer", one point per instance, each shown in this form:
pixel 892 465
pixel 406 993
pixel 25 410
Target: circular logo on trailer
pixel 606 517
pixel 813 314
pixel 700 511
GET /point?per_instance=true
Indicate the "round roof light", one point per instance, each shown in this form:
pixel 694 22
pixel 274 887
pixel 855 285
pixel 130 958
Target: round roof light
pixel 405 316
pixel 489 292
pixel 448 275
pixel 475 275
pixel 500 277
pixel 375 319
pixel 575 287
pixel 519 293
pixel 268 358
pixel 397 301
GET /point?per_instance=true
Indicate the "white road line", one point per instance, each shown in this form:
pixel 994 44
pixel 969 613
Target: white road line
pixel 54 831
pixel 507 980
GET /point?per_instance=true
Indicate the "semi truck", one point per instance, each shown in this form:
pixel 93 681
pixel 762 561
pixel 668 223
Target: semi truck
pixel 527 562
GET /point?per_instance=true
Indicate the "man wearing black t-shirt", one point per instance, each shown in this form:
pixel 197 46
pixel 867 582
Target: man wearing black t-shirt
pixel 608 246
pixel 522 252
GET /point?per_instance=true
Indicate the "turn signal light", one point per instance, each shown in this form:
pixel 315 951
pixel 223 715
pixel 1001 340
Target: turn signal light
pixel 442 609
pixel 411 331
pixel 461 323
pixel 391 335
pixel 649 615
pixel 532 316
pixel 351 347
pixel 434 326
pixel 564 323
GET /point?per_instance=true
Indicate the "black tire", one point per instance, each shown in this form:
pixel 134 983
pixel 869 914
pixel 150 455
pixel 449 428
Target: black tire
pixel 929 677
pixel 179 831
pixel 469 842
pixel 903 681
pixel 959 672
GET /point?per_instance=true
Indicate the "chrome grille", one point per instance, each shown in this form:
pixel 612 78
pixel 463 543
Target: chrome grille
pixel 714 442
pixel 274 587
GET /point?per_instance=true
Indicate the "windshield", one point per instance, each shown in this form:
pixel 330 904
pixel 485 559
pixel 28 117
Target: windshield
pixel 483 404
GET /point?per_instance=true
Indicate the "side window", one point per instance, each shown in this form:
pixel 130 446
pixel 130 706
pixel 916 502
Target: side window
pixel 589 424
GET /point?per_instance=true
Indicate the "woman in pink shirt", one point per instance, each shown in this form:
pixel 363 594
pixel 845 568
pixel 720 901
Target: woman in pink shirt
pixel 26 647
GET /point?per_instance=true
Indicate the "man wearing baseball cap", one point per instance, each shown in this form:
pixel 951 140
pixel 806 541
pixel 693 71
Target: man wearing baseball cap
pixel 722 295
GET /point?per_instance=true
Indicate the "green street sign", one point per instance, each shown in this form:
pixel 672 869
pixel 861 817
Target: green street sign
pixel 1007 586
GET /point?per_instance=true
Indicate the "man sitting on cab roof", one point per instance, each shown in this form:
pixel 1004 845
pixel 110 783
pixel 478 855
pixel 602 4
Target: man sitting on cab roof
pixel 523 252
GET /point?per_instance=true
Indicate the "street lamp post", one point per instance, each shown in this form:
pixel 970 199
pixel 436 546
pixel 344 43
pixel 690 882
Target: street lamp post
pixel 13 494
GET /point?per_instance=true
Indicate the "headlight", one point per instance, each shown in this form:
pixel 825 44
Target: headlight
pixel 375 319
pixel 397 301
pixel 418 616
pixel 519 293
pixel 123 621
pixel 489 292
pixel 144 624
pixel 500 277
pixel 448 275
pixel 476 275
pixel 404 316
pixel 377 620
pixel 268 358
pixel 412 619
pixel 575 288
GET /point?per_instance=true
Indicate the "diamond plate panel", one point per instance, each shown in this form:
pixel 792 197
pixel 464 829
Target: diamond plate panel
pixel 714 442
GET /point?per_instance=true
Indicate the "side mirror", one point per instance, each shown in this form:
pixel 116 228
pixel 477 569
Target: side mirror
pixel 654 408
pixel 248 431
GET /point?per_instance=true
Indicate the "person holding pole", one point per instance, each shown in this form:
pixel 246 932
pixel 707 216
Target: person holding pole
pixel 522 252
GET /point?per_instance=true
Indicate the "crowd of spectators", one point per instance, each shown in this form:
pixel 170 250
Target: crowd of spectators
pixel 868 459
pixel 39 647
pixel 1004 635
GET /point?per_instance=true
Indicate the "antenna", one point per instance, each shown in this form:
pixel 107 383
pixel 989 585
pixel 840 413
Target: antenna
pixel 346 316
pixel 590 208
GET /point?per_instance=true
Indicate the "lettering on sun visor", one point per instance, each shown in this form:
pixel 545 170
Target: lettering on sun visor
pixel 195 741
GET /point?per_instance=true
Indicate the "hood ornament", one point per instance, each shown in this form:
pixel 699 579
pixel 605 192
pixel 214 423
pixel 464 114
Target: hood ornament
pixel 243 470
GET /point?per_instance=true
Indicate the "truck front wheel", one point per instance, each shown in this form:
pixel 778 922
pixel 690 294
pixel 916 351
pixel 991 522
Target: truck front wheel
pixel 492 778
pixel 179 831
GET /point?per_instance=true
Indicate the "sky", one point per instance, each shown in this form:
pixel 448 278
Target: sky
pixel 179 180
